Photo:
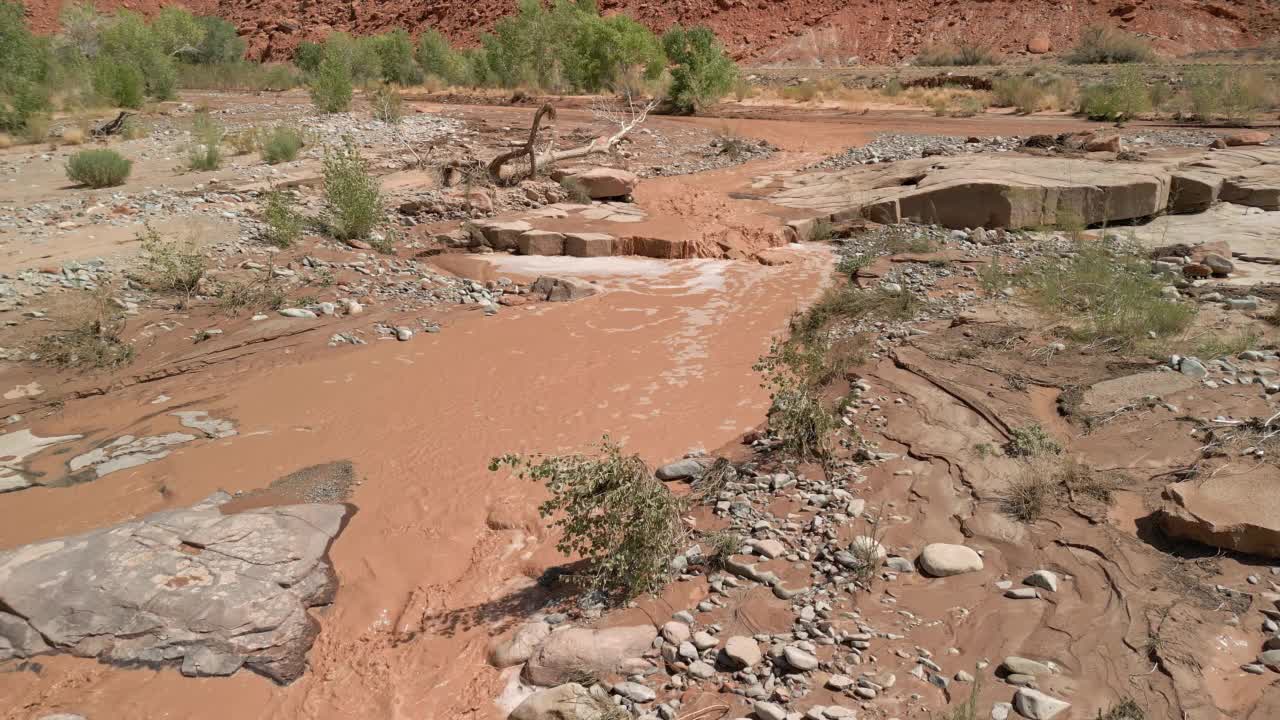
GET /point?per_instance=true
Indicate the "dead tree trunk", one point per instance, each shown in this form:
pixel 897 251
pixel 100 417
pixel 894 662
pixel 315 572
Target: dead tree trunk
pixel 626 120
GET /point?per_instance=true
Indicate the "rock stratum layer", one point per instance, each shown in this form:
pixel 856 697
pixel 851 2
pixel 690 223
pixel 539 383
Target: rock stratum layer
pixel 804 31
pixel 195 586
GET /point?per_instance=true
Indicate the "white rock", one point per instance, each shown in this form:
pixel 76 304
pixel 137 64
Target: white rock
pixel 1035 705
pixel 944 560
pixel 1043 579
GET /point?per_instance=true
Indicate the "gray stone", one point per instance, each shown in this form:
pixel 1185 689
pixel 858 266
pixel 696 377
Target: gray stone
pixel 701 670
pixel 681 470
pixel 1035 705
pixel 768 711
pixel 182 586
pixel 1001 710
pixel 704 640
pixel 1192 367
pixel 570 701
pixel 1022 666
pixel 676 632
pixel 298 313
pixel 520 646
pixel 1270 658
pixel 742 652
pixel 567 652
pixel 554 289
pixel 1022 594
pixel 1218 264
pixel 799 659
pixel 635 692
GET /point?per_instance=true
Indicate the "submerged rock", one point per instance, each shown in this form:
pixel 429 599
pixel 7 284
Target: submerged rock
pixel 195 587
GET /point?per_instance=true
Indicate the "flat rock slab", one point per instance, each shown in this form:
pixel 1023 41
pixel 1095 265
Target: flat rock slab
pixel 1111 395
pixel 1233 511
pixel 15 448
pixel 1017 190
pixel 210 591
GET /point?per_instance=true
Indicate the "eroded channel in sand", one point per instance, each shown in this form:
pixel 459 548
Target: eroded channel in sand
pixel 440 548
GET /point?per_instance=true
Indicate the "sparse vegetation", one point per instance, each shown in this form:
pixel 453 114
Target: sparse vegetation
pixel 1046 482
pixel 1230 95
pixel 1127 709
pixel 170 265
pixel 91 337
pixel 244 141
pixel 386 104
pixel 612 512
pixel 206 143
pixel 283 223
pixel 822 230
pixel 353 199
pixel 576 190
pixel 98 168
pixel 962 54
pixel 264 294
pixel 281 143
pixel 1100 45
pixel 1109 295
pixel 719 546
pixel 968 710
pixel 1122 96
pixel 794 373
pixel 331 85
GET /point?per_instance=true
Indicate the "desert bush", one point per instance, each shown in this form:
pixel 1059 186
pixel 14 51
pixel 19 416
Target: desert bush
pixel 701 72
pixel 353 199
pixel 331 85
pixel 1031 441
pixel 720 546
pixel 281 144
pixel 170 265
pixel 238 75
pixel 121 84
pixel 1234 95
pixel 206 143
pixel 36 129
pixel 1100 45
pixel 576 190
pixel 264 294
pixel 956 55
pixel 245 141
pixel 1126 709
pixel 1110 295
pixel 794 372
pixel 283 223
pixel 803 92
pixel 128 41
pixel 90 338
pixel 1122 96
pixel 386 104
pixel 396 61
pixel 1021 93
pixel 98 168
pixel 72 135
pixel 612 512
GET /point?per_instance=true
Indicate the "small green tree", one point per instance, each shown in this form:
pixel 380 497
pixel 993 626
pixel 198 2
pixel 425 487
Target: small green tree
pixel 307 56
pixel 128 40
pixel 122 84
pixel 27 63
pixel 395 54
pixel 220 42
pixel 283 223
pixel 330 85
pixel 353 198
pixel 702 72
pixel 178 32
pixel 612 512
pixel 281 144
pixel 436 57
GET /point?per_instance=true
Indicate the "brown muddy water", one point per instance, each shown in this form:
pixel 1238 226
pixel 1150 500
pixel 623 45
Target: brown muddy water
pixel 440 548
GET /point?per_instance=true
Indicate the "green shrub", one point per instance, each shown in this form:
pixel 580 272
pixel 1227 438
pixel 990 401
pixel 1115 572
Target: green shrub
pixel 1031 441
pixel 220 43
pixel 307 56
pixel 437 58
pixel 122 84
pixel 353 199
pixel 386 104
pixel 128 40
pixel 245 141
pixel 283 223
pixel 702 73
pixel 395 56
pixel 1123 96
pixel 794 373
pixel 1101 45
pixel 27 63
pixel 178 32
pixel 956 55
pixel 331 85
pixel 281 144
pixel 238 75
pixel 1021 93
pixel 1111 296
pixel 98 168
pixel 206 143
pixel 612 512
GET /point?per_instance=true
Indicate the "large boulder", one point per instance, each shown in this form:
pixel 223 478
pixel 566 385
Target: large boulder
pixel 603 182
pixel 1232 511
pixel 558 289
pixel 568 652
pixel 500 234
pixel 540 242
pixel 1247 137
pixel 588 244
pixel 520 646
pixel 1257 187
pixel 1039 44
pixel 944 560
pixel 570 701
pixel 195 587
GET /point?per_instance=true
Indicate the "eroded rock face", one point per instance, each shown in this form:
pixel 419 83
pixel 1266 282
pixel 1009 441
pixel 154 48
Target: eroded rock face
pixel 1240 512
pixel 569 651
pixel 210 591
